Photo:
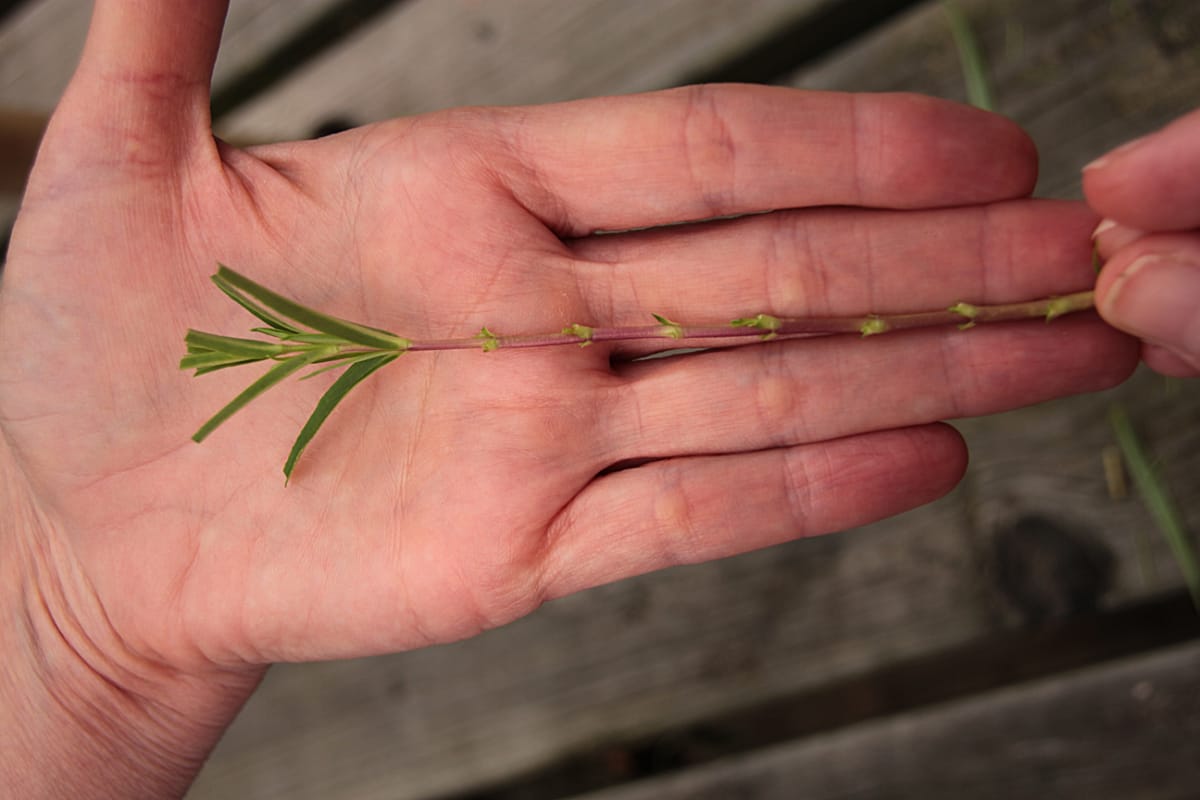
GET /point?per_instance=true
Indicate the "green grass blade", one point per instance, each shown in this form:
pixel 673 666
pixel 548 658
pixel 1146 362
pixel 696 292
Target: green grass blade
pixel 354 375
pixel 350 331
pixel 274 375
pixel 1158 501
pixel 979 89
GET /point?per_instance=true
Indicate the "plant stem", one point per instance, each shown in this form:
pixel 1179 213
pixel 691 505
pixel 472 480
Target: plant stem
pixel 766 326
pixel 305 337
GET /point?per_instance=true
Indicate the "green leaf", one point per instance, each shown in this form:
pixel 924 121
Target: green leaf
pixel 274 375
pixel 251 306
pixel 491 341
pixel 584 332
pixel 763 322
pixel 340 388
pixel 276 332
pixel 313 338
pixel 672 330
pixel 341 360
pixel 350 331
pixel 965 309
pixel 767 323
pixel 205 370
pixel 201 342
pixel 210 362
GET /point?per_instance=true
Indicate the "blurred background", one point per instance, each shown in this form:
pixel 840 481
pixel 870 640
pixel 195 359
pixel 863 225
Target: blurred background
pixel 1030 635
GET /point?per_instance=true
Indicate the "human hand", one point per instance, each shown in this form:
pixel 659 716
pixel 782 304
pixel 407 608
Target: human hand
pixel 458 491
pixel 1149 193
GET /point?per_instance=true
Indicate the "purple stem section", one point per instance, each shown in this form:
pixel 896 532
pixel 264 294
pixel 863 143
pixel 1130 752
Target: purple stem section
pixel 1048 309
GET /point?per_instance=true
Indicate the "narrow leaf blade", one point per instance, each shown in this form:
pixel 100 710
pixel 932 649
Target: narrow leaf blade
pixel 340 361
pixel 251 306
pixel 353 375
pixel 199 342
pixel 205 370
pixel 213 361
pixel 274 375
pixel 350 331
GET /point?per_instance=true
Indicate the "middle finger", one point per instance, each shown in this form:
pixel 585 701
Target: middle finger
pixel 793 392
pixel 830 262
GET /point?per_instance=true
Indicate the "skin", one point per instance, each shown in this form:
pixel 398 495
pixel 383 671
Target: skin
pixel 148 581
pixel 1150 240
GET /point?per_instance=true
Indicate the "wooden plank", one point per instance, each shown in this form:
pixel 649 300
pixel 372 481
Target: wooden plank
pixel 20 132
pixel 1117 731
pixel 430 54
pixel 1079 75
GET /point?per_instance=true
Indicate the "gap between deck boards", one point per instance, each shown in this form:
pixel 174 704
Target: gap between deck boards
pixel 807 40
pixel 998 662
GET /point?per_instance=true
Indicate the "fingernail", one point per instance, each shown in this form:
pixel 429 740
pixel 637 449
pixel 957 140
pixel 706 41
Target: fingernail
pixel 1110 236
pixel 1158 299
pixel 1103 160
pixel 1104 226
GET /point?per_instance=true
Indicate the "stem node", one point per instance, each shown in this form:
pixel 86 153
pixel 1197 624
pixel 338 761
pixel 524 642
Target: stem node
pixel 873 326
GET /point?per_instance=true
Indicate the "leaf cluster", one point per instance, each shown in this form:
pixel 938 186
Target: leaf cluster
pixel 302 338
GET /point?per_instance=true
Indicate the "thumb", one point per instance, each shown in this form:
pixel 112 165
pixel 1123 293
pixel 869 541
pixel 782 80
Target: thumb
pixel 1151 288
pixel 143 82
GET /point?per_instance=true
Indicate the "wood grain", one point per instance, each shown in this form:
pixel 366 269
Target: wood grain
pixel 1113 732
pixel 431 54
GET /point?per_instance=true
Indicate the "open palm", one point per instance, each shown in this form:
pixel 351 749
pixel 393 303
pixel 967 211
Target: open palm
pixel 457 491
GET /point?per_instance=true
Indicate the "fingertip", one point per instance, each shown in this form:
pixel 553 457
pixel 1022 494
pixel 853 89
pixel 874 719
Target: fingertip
pixel 1106 161
pixel 928 462
pixel 1169 363
pixel 955 449
pixel 1150 183
pixel 978 156
pixel 1151 289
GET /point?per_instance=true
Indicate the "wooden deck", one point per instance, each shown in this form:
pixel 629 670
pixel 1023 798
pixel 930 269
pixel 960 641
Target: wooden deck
pixel 1027 636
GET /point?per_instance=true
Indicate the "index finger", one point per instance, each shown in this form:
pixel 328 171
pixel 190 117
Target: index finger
pixel 708 151
pixel 1150 183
